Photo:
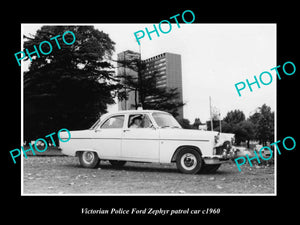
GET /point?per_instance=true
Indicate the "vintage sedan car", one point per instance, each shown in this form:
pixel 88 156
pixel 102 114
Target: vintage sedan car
pixel 148 136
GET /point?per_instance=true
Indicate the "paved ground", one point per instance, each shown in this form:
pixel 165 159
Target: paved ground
pixel 63 175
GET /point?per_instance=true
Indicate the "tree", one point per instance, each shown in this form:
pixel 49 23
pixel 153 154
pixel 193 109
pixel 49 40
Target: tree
pixel 263 121
pixel 234 117
pixel 147 93
pixel 216 125
pixel 71 86
pixel 196 123
pixel 259 126
pixel 185 123
pixel 245 131
pixel 235 122
pixel 227 127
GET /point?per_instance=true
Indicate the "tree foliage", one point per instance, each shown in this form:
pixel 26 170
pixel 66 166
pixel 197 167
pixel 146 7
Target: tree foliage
pixel 259 126
pixel 263 121
pixel 234 117
pixel 185 123
pixel 196 123
pixel 69 87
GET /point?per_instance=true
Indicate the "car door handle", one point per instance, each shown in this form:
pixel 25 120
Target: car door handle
pixel 126 130
pixel 97 131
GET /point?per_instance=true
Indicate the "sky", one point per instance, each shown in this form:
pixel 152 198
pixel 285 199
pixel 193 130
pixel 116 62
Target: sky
pixel 214 58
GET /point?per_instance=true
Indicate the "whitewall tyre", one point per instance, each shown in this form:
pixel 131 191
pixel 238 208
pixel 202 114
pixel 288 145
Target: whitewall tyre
pixel 189 161
pixel 88 159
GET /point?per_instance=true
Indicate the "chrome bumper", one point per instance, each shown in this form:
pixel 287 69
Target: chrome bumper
pixel 221 158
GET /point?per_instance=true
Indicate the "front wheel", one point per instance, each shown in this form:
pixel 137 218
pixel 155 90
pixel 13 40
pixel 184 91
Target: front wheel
pixel 189 161
pixel 89 159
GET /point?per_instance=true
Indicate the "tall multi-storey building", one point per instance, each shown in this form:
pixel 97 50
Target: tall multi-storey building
pixel 167 69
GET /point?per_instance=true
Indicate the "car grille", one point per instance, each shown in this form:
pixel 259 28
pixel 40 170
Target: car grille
pixel 220 149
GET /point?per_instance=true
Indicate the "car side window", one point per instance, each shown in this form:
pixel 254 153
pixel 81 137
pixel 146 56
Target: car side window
pixel 139 121
pixel 147 122
pixel 113 122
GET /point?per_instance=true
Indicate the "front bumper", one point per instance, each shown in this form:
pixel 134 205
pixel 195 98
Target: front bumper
pixel 222 156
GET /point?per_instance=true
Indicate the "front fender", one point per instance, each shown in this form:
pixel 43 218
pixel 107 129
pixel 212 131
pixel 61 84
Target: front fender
pixel 182 147
pixel 224 139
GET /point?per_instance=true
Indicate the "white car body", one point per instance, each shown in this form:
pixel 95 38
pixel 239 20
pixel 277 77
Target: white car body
pixel 151 144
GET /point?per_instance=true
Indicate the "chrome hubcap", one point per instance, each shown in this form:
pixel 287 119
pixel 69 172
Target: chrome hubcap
pixel 188 161
pixel 88 157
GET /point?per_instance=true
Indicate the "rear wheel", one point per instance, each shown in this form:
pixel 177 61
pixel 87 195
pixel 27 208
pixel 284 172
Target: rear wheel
pixel 88 159
pixel 189 161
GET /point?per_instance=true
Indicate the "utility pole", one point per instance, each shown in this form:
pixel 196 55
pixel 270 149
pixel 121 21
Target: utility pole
pixel 140 83
pixel 211 119
pixel 125 85
pixel 137 93
pixel 140 52
pixel 220 122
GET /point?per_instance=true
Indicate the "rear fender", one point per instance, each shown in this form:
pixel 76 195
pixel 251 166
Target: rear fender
pixel 85 150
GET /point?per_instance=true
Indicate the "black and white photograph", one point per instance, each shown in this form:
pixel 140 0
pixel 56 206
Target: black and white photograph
pixel 148 116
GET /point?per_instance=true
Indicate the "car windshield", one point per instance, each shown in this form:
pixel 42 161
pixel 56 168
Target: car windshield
pixel 97 122
pixel 165 120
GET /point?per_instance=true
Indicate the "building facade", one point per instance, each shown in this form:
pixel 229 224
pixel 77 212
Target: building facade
pixel 167 69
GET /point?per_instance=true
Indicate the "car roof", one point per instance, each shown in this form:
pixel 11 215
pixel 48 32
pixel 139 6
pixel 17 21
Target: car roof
pixel 134 111
pixel 129 112
pixel 106 115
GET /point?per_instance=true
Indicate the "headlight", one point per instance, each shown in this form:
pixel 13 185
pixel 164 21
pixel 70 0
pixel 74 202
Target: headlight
pixel 227 145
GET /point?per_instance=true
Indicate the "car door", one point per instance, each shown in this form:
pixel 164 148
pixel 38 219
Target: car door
pixel 140 143
pixel 108 137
